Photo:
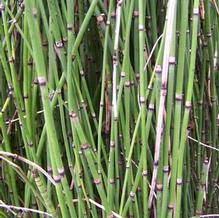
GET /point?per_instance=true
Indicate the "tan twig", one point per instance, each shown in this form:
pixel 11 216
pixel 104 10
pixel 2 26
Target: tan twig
pixel 34 165
pixel 203 144
pixel 24 209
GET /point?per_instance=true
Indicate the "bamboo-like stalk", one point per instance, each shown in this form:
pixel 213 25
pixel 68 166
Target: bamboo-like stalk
pixel 57 165
pixel 178 102
pixel 118 100
pixel 187 106
pixel 159 127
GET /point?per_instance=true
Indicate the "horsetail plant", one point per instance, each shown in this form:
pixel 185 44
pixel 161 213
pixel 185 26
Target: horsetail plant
pixel 109 108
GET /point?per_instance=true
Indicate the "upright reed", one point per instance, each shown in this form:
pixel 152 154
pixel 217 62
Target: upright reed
pixel 109 108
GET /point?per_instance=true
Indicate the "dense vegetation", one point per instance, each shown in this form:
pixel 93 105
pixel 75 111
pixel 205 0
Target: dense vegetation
pixel 109 108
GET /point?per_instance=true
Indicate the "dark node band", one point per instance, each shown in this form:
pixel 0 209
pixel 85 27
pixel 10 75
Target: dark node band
pixel 85 146
pixel 97 181
pixel 41 81
pixel 57 179
pixel 144 173
pixel 179 181
pixel 61 172
pixel 159 187
pixel 135 13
